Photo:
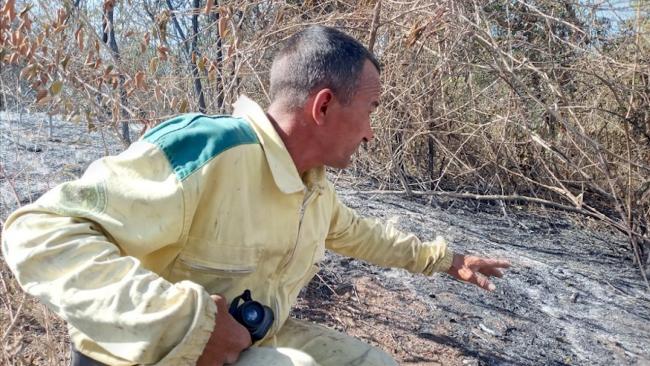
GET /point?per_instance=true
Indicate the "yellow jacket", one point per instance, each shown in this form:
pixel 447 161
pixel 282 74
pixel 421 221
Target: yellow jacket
pixel 129 253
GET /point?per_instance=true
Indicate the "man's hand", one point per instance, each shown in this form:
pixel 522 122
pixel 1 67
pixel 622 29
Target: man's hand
pixel 477 270
pixel 228 339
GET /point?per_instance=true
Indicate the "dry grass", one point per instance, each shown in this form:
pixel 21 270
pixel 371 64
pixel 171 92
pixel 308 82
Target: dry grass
pixel 31 334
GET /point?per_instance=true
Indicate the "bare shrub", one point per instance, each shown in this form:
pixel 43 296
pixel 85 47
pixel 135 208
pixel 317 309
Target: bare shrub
pixel 545 101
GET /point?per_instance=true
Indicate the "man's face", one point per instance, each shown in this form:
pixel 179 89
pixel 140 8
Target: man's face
pixel 349 124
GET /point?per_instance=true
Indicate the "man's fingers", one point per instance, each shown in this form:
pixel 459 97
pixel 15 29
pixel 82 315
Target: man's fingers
pixel 486 262
pixel 481 281
pixel 484 283
pixel 466 274
pixel 501 263
pixel 490 271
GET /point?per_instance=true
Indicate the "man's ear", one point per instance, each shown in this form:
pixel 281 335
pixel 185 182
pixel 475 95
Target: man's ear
pixel 321 102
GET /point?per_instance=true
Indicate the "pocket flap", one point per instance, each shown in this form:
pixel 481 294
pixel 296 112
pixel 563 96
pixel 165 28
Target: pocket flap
pixel 207 255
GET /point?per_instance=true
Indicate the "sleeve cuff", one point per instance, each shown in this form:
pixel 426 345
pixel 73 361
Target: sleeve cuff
pixel 437 257
pixel 190 348
pixel 445 261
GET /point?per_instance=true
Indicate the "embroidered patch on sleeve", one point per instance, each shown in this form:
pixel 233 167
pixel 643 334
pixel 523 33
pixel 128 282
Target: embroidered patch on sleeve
pixel 75 198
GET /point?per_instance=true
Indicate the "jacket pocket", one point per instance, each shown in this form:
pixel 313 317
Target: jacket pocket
pixel 216 259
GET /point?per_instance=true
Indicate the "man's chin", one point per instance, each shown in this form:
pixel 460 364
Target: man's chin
pixel 340 164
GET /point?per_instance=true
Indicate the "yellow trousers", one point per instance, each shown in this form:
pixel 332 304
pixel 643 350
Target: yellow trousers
pixel 300 343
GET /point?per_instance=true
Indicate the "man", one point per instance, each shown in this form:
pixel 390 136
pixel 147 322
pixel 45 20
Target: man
pixel 140 254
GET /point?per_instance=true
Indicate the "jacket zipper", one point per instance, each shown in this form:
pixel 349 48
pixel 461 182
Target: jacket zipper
pixel 305 202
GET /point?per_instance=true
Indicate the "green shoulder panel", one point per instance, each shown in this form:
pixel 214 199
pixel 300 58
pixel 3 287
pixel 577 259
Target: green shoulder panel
pixel 191 140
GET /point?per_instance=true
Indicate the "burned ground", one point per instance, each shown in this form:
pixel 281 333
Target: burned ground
pixel 572 297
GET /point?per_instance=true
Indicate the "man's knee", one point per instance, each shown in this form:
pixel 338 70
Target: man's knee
pixel 275 356
pixel 329 347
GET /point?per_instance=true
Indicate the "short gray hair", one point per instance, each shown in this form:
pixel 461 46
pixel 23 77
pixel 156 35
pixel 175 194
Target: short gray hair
pixel 315 58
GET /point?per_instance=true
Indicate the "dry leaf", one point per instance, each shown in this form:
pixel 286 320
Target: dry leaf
pixel 145 42
pixel 162 52
pixel 65 61
pixel 79 37
pixel 89 121
pixel 163 18
pixel 76 118
pixel 208 7
pixel 116 109
pixel 201 64
pixel 183 107
pixel 153 65
pixel 212 71
pixel 223 23
pixel 139 80
pixel 56 87
pixel 158 93
pixel 415 33
pixel 109 5
pixel 41 94
pixel 23 49
pixel 40 39
pixel 107 72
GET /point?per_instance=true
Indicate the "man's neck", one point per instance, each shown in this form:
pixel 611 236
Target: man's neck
pixel 297 138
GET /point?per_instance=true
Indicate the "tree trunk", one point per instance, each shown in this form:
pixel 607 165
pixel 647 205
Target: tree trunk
pixel 431 162
pixel 109 38
pixel 214 18
pixel 198 88
pixel 195 50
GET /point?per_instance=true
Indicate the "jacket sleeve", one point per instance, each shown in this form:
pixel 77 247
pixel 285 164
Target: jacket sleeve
pixel 82 249
pixel 382 244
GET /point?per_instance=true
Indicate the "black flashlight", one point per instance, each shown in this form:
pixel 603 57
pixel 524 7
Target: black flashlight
pixel 255 317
